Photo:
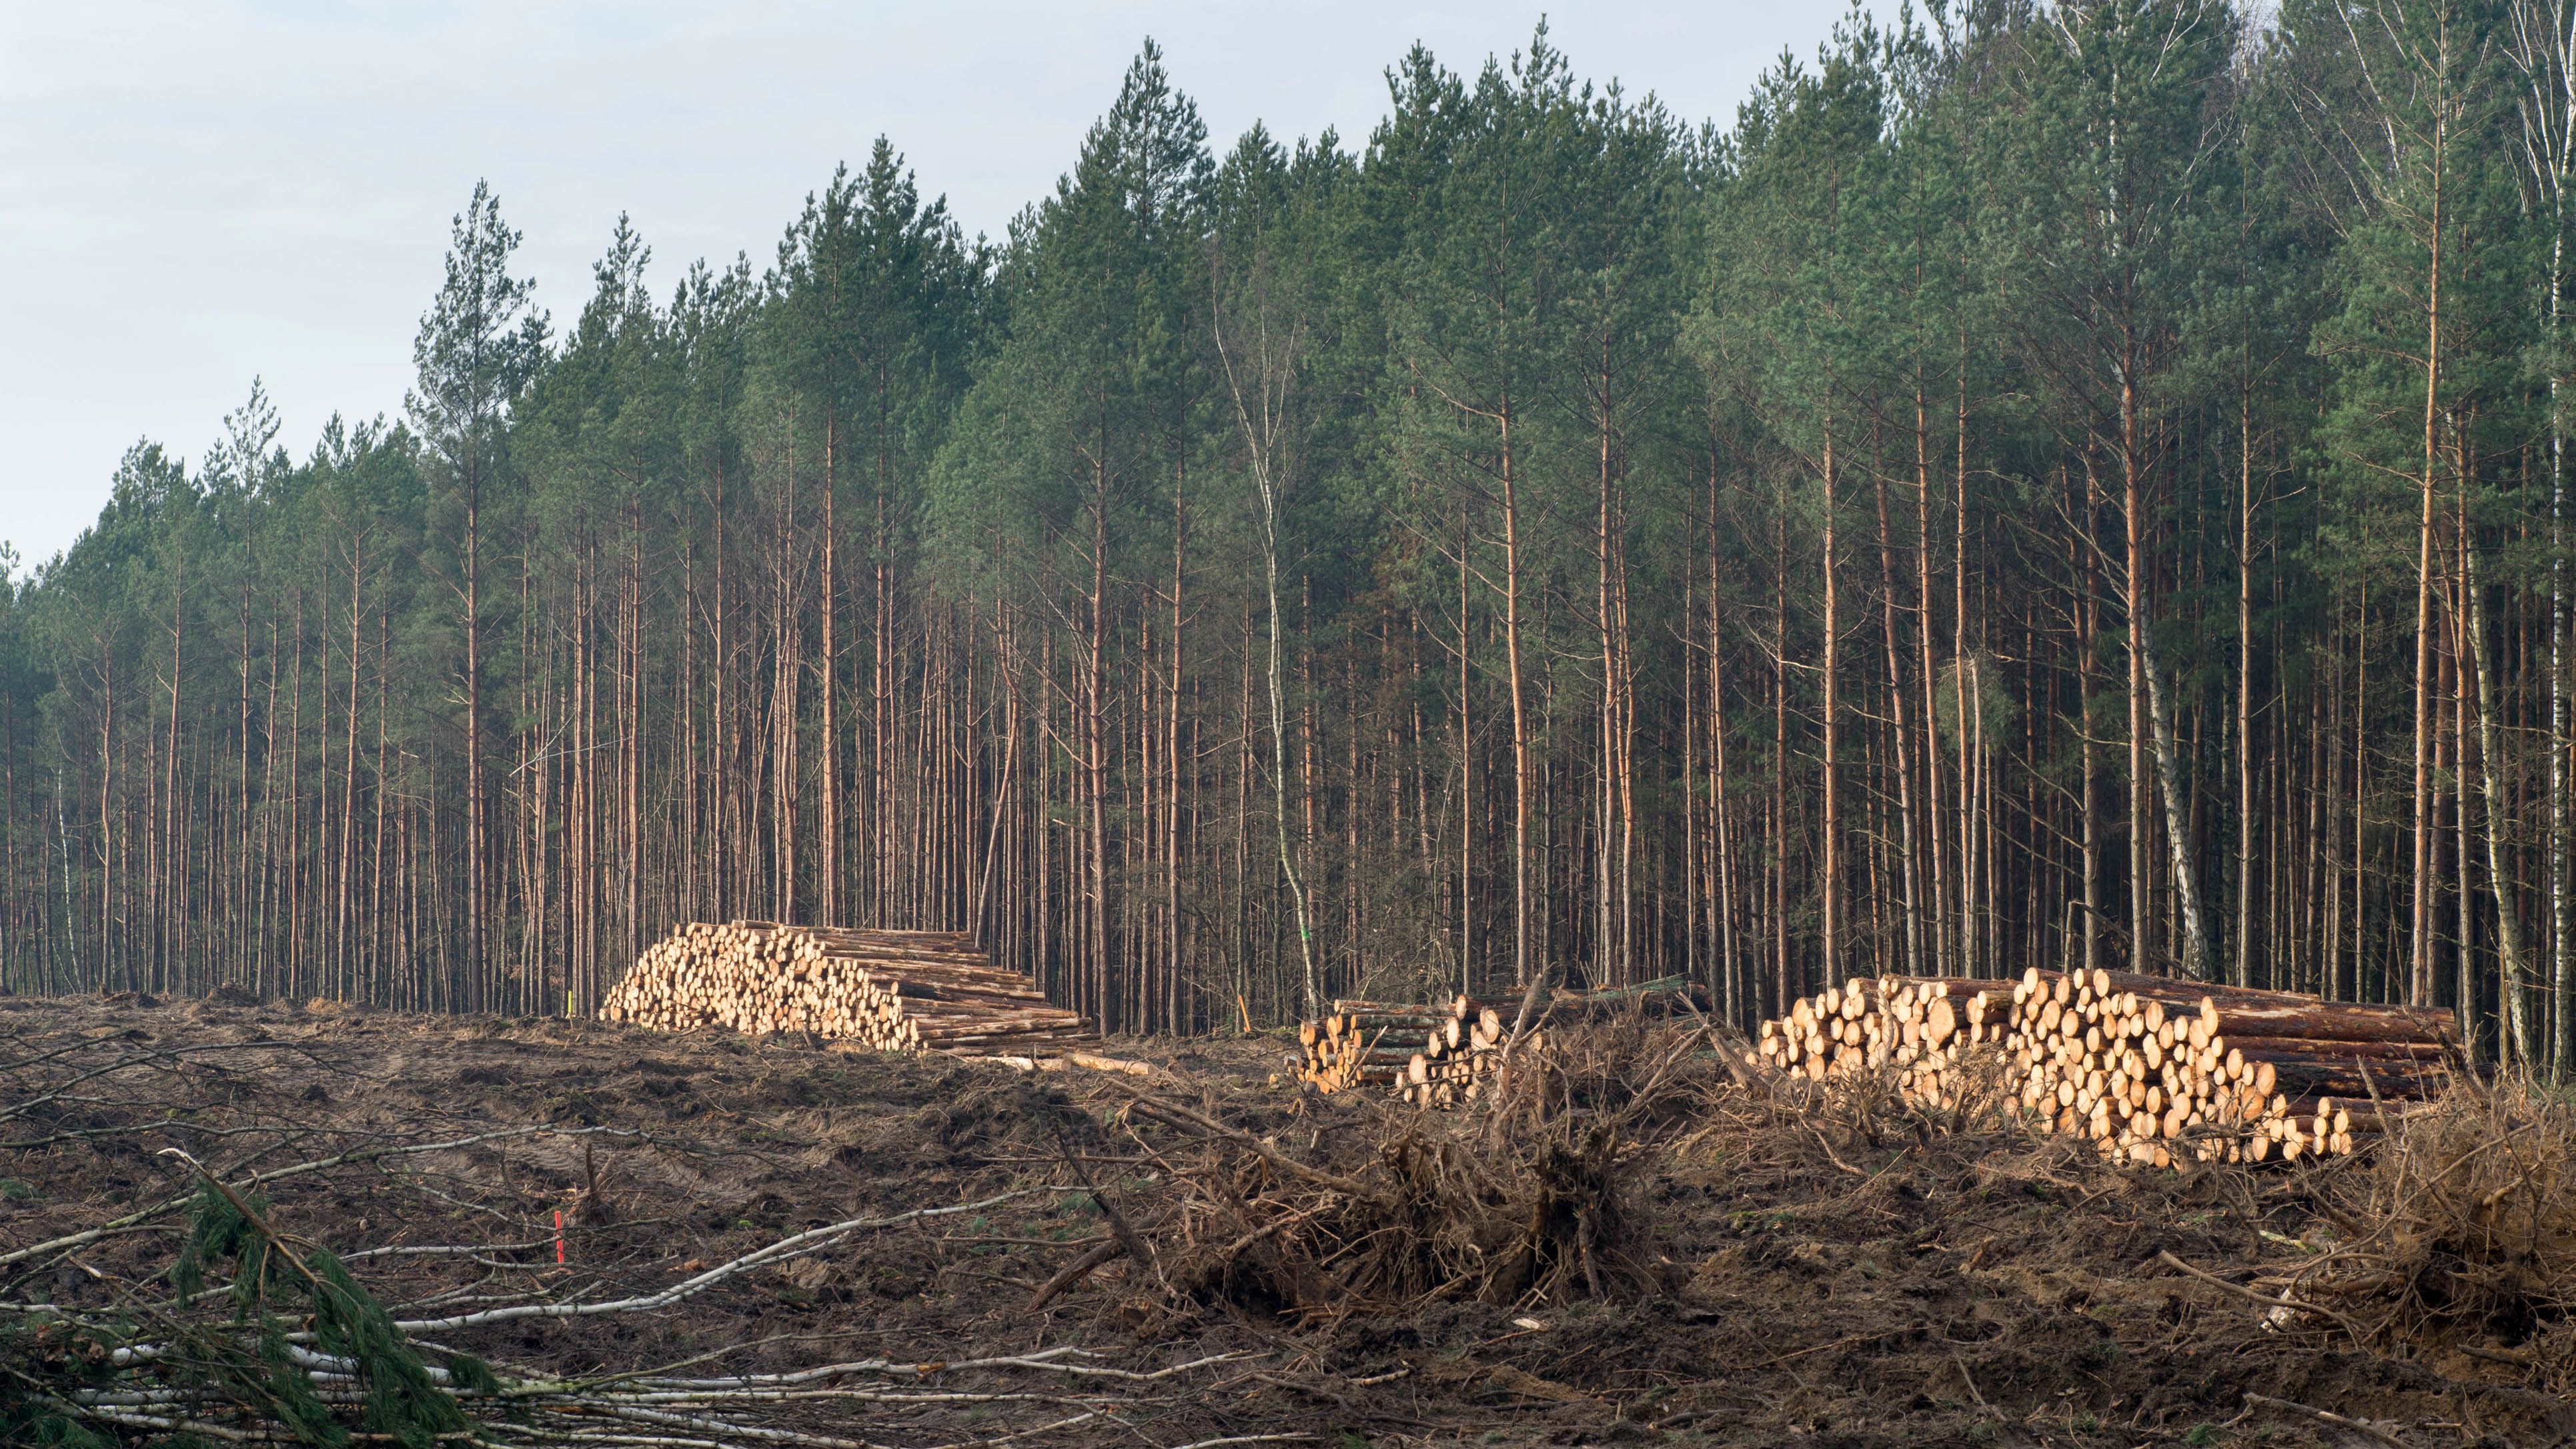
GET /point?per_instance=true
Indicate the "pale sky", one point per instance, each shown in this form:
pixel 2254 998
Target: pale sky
pixel 196 191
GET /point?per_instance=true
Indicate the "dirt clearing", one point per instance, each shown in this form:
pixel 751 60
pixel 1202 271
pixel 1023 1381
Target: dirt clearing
pixel 1631 1246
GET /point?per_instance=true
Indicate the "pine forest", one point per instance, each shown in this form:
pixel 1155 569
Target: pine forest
pixel 2066 485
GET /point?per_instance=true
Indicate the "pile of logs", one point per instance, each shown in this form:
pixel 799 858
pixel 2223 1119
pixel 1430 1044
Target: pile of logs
pixel 902 991
pixel 1437 1055
pixel 1921 1026
pixel 2150 1069
pixel 1463 1048
pixel 1369 1043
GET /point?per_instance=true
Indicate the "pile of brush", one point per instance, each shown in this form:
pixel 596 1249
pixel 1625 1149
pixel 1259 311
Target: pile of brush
pixel 1534 1198
pixel 2458 1236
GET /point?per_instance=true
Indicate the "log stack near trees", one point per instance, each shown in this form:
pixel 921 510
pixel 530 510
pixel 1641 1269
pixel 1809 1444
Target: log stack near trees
pixel 1463 1047
pixel 2151 1069
pixel 1362 1043
pixel 903 991
pixel 1435 1055
pixel 1920 1025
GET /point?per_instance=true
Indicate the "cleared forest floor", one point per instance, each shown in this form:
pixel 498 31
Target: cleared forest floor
pixel 1831 1278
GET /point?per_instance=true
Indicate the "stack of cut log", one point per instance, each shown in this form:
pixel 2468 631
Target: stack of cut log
pixel 1463 1048
pixel 1366 1043
pixel 1922 1026
pixel 1436 1055
pixel 2153 1069
pixel 904 991
pixel 2150 1069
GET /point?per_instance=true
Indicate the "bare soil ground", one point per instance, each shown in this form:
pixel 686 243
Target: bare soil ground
pixel 1836 1277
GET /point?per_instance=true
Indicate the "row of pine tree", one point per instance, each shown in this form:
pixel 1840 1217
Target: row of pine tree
pixel 2066 484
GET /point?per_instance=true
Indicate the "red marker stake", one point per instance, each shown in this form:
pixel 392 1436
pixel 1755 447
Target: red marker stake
pixel 559 1256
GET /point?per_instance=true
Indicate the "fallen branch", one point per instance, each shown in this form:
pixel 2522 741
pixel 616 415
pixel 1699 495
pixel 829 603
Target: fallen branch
pixel 1175 1113
pixel 780 1251
pixel 1074 1272
pixel 319 1164
pixel 2265 1401
pixel 1071 1059
pixel 2285 1302
pixel 165 1054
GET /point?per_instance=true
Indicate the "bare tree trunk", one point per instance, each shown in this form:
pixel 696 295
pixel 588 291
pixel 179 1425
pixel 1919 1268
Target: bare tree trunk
pixel 1718 794
pixel 2241 968
pixel 380 967
pixel 1095 785
pixel 343 920
pixel 1898 753
pixel 1605 954
pixel 1783 967
pixel 1829 883
pixel 1466 778
pixel 828 901
pixel 173 818
pixel 2514 985
pixel 1521 785
pixel 2562 921
pixel 238 911
pixel 1171 943
pixel 1959 662
pixel 2148 698
pixel 1931 675
pixel 2420 991
pixel 1262 417
pixel 477 846
pixel 2133 603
